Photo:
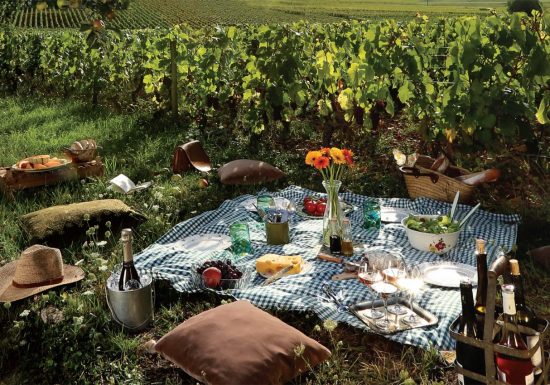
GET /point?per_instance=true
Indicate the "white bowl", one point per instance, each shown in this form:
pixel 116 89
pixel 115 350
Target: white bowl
pixel 434 243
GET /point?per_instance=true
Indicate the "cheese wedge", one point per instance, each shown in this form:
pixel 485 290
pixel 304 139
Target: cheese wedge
pixel 270 264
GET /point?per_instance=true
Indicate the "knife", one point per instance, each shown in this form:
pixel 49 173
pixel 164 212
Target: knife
pixel 277 275
pixel 348 266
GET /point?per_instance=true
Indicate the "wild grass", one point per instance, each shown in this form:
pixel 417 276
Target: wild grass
pixel 85 346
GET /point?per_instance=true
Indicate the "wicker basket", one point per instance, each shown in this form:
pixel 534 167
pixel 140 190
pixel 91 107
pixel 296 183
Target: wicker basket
pixel 421 181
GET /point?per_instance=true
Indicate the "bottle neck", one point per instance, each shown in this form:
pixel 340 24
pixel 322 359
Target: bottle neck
pixel 128 255
pixel 519 295
pixel 468 324
pixel 481 294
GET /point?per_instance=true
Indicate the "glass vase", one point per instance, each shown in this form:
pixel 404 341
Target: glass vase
pixel 333 210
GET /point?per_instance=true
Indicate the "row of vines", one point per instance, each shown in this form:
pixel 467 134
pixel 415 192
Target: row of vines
pixel 471 81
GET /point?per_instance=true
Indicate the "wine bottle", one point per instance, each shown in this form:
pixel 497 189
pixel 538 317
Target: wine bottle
pixel 512 370
pixel 467 356
pixel 129 278
pixel 482 282
pixel 347 238
pixel 524 314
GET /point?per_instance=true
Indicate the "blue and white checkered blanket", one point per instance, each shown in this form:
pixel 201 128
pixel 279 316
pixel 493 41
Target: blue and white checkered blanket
pixel 303 292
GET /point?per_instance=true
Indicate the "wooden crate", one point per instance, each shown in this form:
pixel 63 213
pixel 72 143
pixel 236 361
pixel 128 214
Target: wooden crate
pixel 491 328
pixel 13 180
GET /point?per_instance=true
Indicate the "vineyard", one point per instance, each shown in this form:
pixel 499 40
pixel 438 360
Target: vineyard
pixel 201 13
pixel 474 82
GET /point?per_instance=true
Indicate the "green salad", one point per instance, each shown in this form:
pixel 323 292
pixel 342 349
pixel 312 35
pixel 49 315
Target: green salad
pixel 440 225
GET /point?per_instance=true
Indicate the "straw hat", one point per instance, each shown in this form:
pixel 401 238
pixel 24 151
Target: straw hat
pixel 39 268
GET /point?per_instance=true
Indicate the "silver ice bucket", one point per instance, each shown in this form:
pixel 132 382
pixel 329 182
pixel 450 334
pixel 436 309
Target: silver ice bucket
pixel 132 309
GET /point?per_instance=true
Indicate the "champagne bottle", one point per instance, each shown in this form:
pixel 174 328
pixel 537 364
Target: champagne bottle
pixel 511 370
pixel 467 356
pixel 129 278
pixel 482 282
pixel 524 314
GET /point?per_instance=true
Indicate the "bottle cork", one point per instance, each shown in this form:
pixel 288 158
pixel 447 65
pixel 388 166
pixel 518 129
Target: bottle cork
pixel 514 267
pixel 480 246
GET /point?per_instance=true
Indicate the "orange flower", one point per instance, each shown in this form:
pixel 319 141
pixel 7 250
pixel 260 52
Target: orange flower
pixel 312 156
pixel 337 155
pixel 348 155
pixel 321 162
pixel 325 151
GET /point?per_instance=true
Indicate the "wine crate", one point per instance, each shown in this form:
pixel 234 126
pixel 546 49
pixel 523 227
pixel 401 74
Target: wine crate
pixel 492 327
pixel 12 180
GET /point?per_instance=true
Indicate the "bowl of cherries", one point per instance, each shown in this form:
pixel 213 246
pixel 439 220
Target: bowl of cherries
pixel 220 275
pixel 314 206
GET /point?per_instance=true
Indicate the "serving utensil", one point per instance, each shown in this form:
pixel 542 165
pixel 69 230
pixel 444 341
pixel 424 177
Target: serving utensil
pixel 277 275
pixel 332 295
pixel 453 208
pixel 472 211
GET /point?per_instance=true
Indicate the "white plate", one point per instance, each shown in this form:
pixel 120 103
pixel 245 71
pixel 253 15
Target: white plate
pixel 250 204
pixel 64 163
pixel 306 267
pixel 447 274
pixel 393 214
pixel 203 242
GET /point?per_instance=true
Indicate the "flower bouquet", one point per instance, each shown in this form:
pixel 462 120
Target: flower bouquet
pixel 331 163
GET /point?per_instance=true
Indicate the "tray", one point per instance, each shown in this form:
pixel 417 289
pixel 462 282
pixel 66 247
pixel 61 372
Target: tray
pixel 428 319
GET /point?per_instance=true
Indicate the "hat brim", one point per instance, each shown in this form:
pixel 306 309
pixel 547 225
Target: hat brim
pixel 10 293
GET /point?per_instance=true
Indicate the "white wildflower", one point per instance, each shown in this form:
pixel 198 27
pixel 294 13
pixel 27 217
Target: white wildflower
pixel 25 313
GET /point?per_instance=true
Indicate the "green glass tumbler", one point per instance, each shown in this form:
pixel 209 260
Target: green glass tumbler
pixel 240 239
pixel 371 214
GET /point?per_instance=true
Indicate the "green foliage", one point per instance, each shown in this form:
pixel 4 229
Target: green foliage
pixel 527 6
pixel 478 83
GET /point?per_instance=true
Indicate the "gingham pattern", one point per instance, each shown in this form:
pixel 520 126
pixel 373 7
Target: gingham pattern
pixel 303 292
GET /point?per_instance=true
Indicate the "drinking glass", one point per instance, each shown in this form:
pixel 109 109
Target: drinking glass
pixel 371 214
pixel 394 272
pixel 240 239
pixel 369 275
pixel 413 285
pixel 264 202
pixel 385 290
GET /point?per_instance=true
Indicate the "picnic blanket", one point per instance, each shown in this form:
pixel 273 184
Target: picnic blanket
pixel 303 292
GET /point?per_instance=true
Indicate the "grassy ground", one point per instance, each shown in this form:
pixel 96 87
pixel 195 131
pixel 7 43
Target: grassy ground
pixel 199 13
pixel 85 346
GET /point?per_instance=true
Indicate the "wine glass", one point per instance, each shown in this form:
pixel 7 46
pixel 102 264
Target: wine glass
pixel 395 271
pixel 413 284
pixel 385 290
pixel 369 275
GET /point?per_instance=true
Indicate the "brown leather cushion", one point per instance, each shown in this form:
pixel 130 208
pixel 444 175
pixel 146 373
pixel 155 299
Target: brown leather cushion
pixel 246 171
pixel 239 344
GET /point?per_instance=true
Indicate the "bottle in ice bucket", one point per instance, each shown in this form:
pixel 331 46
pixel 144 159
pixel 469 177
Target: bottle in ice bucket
pixel 524 314
pixel 469 357
pixel 482 282
pixel 129 278
pixel 512 370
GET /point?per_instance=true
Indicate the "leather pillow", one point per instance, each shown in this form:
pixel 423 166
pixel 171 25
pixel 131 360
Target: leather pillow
pixel 61 225
pixel 239 344
pixel 246 171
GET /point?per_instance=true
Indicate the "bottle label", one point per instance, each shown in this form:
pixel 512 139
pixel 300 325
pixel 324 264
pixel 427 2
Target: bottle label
pixel 508 302
pixel 536 360
pixel 530 379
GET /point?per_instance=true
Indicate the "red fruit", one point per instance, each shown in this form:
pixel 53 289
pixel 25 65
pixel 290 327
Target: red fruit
pixel 323 199
pixel 307 200
pixel 311 207
pixel 321 207
pixel 203 183
pixel 212 277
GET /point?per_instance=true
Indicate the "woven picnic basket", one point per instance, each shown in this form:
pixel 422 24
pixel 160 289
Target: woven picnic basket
pixel 421 181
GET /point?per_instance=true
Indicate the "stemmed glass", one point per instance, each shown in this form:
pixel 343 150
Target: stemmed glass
pixel 385 289
pixel 413 284
pixel 368 275
pixel 394 272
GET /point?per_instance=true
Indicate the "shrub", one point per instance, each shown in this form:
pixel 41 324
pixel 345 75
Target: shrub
pixel 527 6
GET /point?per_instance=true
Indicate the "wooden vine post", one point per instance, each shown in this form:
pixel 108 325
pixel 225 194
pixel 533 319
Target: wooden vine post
pixel 174 78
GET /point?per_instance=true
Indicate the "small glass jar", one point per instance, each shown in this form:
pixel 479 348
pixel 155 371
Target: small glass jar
pixel 371 214
pixel 347 238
